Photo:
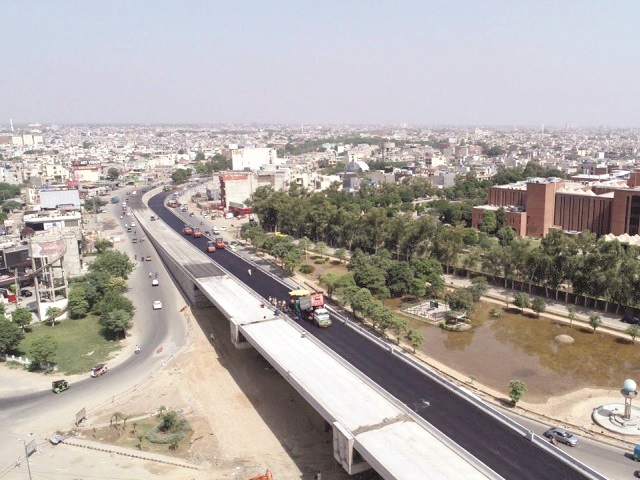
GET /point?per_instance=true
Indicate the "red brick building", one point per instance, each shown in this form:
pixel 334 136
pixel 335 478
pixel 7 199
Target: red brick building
pixel 538 205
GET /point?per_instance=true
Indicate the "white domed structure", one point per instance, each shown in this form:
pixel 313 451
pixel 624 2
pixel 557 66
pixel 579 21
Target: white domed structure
pixel 629 385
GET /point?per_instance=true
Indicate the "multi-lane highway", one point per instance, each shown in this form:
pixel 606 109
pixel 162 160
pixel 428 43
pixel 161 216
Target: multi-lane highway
pixel 502 449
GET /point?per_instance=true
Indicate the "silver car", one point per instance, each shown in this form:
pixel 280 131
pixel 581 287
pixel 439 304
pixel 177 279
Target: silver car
pixel 561 435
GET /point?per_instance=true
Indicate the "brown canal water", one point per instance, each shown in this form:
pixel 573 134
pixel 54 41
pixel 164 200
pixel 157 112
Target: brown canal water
pixel 514 346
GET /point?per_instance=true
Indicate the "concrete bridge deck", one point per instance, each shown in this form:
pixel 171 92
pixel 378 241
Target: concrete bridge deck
pixel 370 428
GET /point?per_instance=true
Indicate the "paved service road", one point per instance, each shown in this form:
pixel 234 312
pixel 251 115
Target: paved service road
pixel 159 333
pixel 503 450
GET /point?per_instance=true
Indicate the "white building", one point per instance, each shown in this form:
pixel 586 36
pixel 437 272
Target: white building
pixel 254 158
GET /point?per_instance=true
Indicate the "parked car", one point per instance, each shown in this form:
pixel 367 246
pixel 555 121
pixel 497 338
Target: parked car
pixel 157 305
pixel 154 282
pixel 26 293
pixel 148 259
pixel 561 435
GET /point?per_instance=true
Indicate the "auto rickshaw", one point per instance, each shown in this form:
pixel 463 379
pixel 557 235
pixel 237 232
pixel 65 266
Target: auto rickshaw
pixel 59 386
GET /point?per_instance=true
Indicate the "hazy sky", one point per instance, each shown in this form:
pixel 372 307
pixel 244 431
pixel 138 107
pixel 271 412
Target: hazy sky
pixel 324 61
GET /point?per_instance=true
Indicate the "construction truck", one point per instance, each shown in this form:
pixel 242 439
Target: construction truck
pixel 310 306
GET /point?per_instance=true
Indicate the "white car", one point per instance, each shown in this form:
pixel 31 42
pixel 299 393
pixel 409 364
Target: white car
pixel 157 305
pixel 154 283
pixel 223 228
pixel 133 224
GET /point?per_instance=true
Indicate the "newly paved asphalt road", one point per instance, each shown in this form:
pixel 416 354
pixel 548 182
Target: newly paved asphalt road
pixel 503 450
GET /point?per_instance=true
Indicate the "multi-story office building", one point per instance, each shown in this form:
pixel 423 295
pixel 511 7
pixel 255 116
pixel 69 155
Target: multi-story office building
pixel 610 204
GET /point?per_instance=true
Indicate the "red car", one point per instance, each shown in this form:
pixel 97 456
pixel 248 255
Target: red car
pixel 187 230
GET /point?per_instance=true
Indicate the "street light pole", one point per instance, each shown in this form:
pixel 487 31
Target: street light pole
pixel 26 454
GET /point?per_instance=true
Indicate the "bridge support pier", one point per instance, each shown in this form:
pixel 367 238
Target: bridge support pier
pixel 344 453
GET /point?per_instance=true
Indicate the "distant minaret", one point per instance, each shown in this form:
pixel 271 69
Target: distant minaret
pixel 542 136
pixel 11 123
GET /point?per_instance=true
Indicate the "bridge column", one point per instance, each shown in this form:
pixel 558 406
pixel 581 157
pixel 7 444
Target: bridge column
pixel 238 340
pixel 344 453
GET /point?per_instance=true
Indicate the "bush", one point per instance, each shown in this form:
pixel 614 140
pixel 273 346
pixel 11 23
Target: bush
pixel 306 268
pixel 320 261
pixel 170 430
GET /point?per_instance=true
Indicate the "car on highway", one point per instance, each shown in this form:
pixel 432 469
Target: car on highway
pixel 26 293
pixel 211 247
pixel 187 230
pixel 157 305
pixel 98 370
pixel 561 435
pixel 154 282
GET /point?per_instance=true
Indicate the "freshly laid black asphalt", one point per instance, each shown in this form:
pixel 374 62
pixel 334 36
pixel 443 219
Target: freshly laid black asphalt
pixel 497 446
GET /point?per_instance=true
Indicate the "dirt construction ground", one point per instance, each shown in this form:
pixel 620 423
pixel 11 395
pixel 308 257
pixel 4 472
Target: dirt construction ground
pixel 245 416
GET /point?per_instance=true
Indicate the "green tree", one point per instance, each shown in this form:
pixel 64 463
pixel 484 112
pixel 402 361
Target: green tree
pixel 571 314
pixel 116 284
pixel 113 173
pixel 102 245
pixel 22 317
pixel 595 321
pixel 506 236
pixel 321 248
pixel 633 331
pixel 479 286
pixel 340 254
pixel 113 263
pixel 43 349
pixel 199 156
pixel 330 281
pixel 10 335
pixel 11 205
pixel 360 301
pixel 400 326
pixel 93 204
pixel 52 314
pixel 460 299
pixel 305 244
pixel 77 303
pixel 522 301
pixel 117 322
pixel 114 301
pixel 416 338
pixel 488 224
pixel 291 260
pixel 400 279
pixel 517 389
pixel 181 175
pixel 538 305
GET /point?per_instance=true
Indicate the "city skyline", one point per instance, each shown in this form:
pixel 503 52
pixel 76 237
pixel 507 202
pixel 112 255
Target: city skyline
pixel 432 63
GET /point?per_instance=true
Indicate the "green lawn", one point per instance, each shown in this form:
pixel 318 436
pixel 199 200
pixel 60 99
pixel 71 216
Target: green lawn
pixel 80 344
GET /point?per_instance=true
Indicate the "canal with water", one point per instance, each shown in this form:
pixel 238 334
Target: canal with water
pixel 515 346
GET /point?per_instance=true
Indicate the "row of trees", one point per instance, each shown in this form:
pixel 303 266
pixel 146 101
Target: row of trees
pixel 373 220
pixel 366 307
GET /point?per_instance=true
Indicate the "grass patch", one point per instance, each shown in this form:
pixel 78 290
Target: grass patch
pixel 76 339
pixel 133 436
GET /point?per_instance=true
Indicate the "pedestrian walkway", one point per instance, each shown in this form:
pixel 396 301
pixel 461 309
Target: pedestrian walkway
pixel 129 452
pixel 553 307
